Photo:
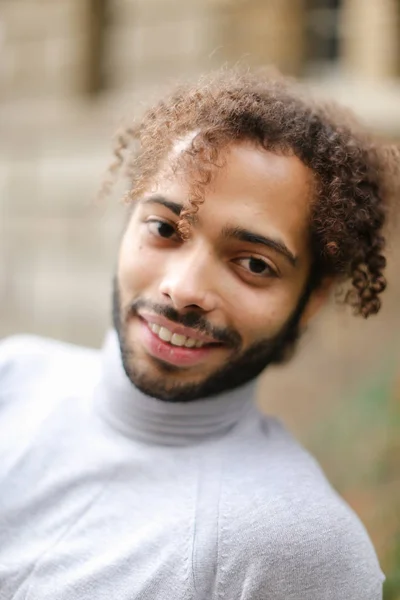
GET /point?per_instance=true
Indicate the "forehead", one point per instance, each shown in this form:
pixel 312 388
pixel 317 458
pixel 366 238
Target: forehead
pixel 264 184
pixel 254 188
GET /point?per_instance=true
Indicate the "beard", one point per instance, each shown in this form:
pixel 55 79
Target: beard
pixel 243 366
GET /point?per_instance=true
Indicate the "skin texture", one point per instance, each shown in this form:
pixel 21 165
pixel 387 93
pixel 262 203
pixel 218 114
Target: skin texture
pixel 249 297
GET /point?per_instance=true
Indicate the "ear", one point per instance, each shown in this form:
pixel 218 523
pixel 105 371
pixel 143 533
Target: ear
pixel 318 298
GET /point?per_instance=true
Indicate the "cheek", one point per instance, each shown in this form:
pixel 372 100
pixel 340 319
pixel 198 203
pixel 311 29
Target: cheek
pixel 263 313
pixel 137 266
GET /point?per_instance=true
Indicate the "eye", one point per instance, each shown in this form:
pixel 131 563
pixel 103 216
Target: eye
pixel 257 266
pixel 161 229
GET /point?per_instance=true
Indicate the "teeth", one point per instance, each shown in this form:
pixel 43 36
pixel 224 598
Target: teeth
pixel 174 338
pixel 178 340
pixel 165 334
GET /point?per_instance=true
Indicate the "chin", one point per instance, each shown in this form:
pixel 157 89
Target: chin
pixel 165 382
pixel 168 391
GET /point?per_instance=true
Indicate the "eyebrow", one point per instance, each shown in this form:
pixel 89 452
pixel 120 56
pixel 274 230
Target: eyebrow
pixel 244 235
pixel 172 206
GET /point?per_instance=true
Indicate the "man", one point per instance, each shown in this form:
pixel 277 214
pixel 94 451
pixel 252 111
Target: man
pixel 145 471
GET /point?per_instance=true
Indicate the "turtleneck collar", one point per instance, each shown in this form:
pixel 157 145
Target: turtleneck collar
pixel 154 421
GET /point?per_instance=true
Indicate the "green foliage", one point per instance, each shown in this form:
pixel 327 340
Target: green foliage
pixel 359 449
pixel 391 590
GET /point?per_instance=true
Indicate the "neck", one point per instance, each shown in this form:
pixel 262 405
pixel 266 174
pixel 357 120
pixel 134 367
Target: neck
pixel 155 421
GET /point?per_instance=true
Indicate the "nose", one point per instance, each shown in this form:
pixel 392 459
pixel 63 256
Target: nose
pixel 189 280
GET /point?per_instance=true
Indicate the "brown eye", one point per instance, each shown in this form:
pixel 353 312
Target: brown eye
pixel 257 266
pixel 161 229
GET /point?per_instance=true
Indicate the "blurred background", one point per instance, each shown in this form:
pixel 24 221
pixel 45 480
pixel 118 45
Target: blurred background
pixel 71 70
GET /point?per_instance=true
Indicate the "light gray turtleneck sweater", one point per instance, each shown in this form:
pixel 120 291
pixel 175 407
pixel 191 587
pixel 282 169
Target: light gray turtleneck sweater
pixel 108 494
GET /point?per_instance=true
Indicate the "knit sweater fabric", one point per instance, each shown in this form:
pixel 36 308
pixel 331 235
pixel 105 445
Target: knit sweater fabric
pixel 106 493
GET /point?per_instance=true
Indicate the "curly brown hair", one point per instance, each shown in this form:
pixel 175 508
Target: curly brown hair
pixel 355 174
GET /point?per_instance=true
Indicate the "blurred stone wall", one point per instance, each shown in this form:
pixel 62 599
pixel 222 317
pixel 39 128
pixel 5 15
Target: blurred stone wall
pixel 151 41
pixel 42 48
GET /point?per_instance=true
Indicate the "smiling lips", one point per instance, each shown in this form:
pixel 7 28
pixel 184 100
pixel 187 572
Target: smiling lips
pixel 174 333
pixel 175 344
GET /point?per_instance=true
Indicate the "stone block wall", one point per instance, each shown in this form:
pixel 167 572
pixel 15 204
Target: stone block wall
pixel 42 48
pixel 151 41
pixel 57 246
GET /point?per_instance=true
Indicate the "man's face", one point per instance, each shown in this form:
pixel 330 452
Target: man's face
pixel 198 317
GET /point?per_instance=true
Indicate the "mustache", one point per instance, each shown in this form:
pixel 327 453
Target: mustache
pixel 192 319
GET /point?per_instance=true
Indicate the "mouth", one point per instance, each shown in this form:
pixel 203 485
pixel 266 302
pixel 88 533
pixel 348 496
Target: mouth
pixel 177 339
pixel 173 346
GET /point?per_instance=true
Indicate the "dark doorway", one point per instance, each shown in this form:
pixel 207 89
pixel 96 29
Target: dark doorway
pixel 322 35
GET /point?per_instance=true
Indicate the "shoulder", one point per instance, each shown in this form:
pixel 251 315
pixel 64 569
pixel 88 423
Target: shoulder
pixel 33 345
pixel 310 557
pixel 26 360
pixel 289 535
pixel 22 355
